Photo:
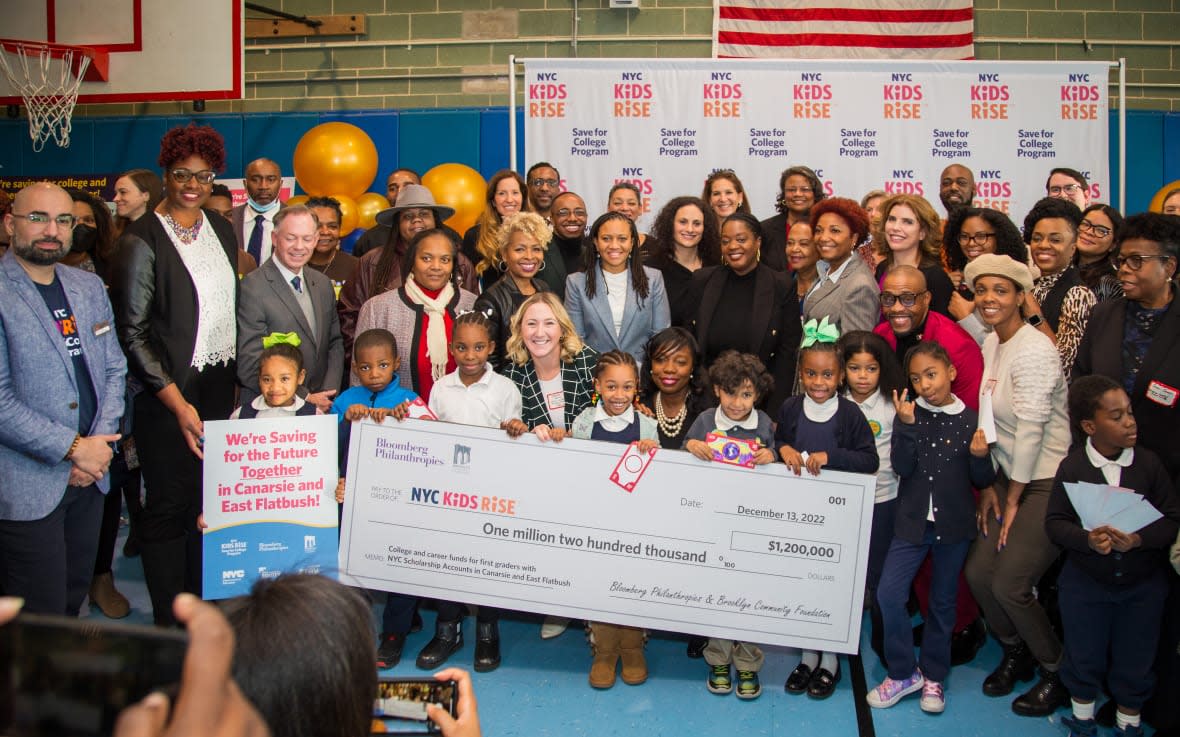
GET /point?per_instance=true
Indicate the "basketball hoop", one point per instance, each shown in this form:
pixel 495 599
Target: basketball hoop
pixel 47 76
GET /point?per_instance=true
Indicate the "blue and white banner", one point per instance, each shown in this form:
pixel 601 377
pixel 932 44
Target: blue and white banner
pixel 862 125
pixel 270 501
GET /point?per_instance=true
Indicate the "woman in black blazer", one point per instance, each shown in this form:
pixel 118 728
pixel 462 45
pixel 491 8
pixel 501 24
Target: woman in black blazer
pixel 174 290
pixel 747 306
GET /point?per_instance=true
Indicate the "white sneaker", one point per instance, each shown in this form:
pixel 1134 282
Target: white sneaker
pixel 933 701
pixel 553 627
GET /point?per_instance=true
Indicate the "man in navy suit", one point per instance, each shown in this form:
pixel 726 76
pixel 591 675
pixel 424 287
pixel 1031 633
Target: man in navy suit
pixel 61 396
pixel 282 296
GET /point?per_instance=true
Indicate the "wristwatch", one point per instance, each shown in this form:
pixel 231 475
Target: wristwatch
pixel 1034 320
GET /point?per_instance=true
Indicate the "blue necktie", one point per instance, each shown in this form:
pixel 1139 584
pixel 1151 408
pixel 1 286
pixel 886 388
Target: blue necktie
pixel 297 283
pixel 254 248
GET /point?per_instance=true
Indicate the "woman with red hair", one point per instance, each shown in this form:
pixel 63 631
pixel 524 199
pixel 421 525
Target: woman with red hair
pixel 845 291
pixel 174 291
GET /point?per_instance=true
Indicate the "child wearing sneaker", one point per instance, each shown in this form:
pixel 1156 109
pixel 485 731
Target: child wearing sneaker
pixel 1114 583
pixel 939 454
pixel 739 381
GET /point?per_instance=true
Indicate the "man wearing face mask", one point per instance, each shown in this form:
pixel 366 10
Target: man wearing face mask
pixel 254 221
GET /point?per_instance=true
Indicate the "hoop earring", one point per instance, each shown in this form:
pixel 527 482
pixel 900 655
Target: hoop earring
pixel 542 267
pixel 501 266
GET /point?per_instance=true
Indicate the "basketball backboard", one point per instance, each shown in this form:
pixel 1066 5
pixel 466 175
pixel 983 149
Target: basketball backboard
pixel 158 50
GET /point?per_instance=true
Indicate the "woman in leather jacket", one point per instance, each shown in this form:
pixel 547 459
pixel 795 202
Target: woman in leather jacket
pixel 174 291
pixel 524 238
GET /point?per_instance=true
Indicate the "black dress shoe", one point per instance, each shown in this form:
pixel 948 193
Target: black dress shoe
pixel 696 646
pixel 447 639
pixel 487 646
pixel 389 651
pixel 823 683
pixel 1017 664
pixel 798 680
pixel 966 642
pixel 1042 699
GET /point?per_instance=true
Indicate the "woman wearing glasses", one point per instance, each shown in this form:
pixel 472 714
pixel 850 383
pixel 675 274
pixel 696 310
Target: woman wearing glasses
pixel 174 291
pixel 971 232
pixel 1095 255
pixel 1059 304
pixel 799 189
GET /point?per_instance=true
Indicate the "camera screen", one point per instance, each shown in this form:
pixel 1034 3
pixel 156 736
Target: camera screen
pixel 406 700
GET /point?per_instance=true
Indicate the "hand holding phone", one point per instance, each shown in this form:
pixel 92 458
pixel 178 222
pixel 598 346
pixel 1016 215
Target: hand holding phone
pixel 464 721
pixel 402 705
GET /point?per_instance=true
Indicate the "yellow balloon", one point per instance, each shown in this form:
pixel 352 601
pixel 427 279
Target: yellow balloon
pixel 298 199
pixel 1157 202
pixel 349 216
pixel 461 187
pixel 335 157
pixel 367 207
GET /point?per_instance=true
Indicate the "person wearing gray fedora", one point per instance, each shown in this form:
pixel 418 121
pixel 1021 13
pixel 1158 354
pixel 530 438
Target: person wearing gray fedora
pixel 382 269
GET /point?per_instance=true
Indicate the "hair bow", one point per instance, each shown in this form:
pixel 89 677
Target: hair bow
pixel 823 332
pixel 269 341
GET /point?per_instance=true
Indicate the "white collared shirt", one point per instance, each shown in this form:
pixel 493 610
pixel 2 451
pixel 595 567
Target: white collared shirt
pixel 880 414
pixel 288 275
pixel 613 423
pixel 492 400
pixel 817 412
pixel 954 407
pixel 268 226
pixel 1112 470
pixel 266 411
pixel 722 421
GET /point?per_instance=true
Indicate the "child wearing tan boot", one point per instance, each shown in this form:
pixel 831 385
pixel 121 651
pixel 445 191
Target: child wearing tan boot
pixel 613 418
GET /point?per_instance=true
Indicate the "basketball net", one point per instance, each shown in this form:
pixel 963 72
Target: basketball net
pixel 49 85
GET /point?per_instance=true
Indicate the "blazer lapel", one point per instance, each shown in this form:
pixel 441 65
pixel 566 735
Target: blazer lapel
pixel 282 290
pixel 315 293
pixel 28 292
pixel 601 305
pixel 764 304
pixel 79 305
pixel 710 296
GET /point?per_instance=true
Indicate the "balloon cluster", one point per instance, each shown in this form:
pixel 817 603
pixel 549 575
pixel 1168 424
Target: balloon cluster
pixel 339 160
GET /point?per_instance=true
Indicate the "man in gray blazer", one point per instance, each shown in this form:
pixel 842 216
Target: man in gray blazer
pixel 281 296
pixel 62 378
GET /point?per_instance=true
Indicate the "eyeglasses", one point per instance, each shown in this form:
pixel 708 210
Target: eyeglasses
pixel 410 216
pixel 181 176
pixel 1134 261
pixel 798 190
pixel 64 220
pixel 907 299
pixel 1099 230
pixel 564 213
pixel 538 182
pixel 981 238
pixel 1066 188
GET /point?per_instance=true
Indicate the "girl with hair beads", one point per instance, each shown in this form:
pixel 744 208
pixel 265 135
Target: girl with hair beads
pixel 739 381
pixel 613 418
pixel 472 394
pixel 940 454
pixel 280 373
pixel 1114 582
pixel 821 429
pixel 871 376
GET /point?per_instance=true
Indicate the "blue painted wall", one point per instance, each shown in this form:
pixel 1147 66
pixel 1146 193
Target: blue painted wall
pixel 421 139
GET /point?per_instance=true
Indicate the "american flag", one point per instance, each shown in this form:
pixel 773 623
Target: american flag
pixel 843 29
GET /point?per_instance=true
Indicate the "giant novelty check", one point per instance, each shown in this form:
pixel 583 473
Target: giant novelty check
pixel 470 515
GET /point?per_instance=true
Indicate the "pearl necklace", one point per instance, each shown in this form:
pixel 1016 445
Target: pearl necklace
pixel 670 428
pixel 185 235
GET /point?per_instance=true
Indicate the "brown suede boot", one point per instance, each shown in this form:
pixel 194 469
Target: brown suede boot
pixel 631 651
pixel 107 598
pixel 604 639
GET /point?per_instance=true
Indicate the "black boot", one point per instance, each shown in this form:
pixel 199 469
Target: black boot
pixel 487 646
pixel 966 642
pixel 448 637
pixel 1016 665
pixel 696 646
pixel 1044 698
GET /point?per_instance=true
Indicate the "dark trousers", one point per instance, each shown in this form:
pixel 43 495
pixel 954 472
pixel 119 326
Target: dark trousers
pixel 398 614
pixel 880 536
pixel 170 542
pixel 124 483
pixel 50 561
pixel 450 611
pixel 901 565
pixel 1110 634
pixel 1002 581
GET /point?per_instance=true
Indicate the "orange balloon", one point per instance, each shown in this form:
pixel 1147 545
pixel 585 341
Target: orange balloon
pixel 349 216
pixel 367 207
pixel 1157 202
pixel 298 199
pixel 335 157
pixel 461 187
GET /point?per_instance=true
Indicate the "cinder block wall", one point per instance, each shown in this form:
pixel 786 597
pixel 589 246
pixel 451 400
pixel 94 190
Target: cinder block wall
pixel 454 53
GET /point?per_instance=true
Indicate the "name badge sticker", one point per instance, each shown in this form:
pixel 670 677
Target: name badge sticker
pixel 1161 393
pixel 101 328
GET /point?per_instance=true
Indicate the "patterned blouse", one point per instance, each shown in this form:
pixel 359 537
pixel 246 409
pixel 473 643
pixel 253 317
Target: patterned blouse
pixel 1075 313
